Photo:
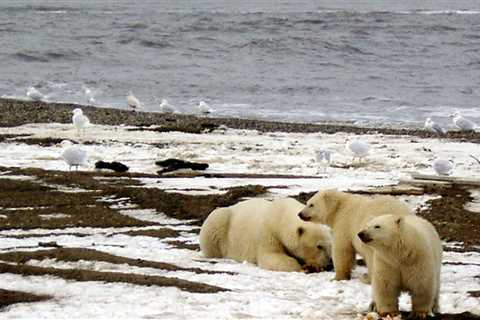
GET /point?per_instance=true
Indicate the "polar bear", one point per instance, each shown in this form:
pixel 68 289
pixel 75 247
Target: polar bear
pixel 347 214
pixel 407 256
pixel 266 233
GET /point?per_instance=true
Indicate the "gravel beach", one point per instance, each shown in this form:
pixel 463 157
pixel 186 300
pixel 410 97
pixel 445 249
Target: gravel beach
pixel 18 112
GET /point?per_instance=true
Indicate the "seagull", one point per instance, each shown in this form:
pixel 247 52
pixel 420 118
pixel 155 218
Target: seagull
pixel 359 149
pixel 434 127
pixel 462 123
pixel 74 155
pixel 166 107
pixel 34 94
pixel 203 107
pixel 89 95
pixel 80 120
pixel 133 102
pixel 324 157
pixel 443 167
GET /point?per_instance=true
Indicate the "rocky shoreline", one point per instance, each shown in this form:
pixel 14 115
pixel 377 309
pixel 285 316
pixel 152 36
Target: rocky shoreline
pixel 19 112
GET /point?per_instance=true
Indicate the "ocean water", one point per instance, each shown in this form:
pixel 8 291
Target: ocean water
pixel 375 61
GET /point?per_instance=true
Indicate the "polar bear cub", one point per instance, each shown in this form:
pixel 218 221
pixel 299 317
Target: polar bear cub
pixel 407 255
pixel 347 214
pixel 266 233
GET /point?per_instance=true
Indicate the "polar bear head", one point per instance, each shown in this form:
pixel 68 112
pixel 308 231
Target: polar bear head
pixel 321 207
pixel 314 246
pixel 382 231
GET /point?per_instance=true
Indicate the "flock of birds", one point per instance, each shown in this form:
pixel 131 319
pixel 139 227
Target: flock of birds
pixel 446 166
pixel 132 101
pixel 76 156
pixel 360 149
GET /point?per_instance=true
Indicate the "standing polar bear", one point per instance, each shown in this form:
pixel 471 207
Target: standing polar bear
pixel 407 256
pixel 347 214
pixel 266 233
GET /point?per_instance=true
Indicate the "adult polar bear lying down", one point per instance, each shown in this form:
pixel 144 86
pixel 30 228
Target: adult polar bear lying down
pixel 266 233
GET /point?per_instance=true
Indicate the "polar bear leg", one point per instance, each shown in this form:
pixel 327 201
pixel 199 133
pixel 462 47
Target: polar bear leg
pixel 277 262
pixel 368 256
pixel 343 258
pixel 422 300
pixel 214 233
pixel 386 288
pixel 436 306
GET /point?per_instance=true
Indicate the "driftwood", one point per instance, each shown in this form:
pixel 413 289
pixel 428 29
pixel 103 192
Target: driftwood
pixel 446 179
pixel 115 166
pixel 395 190
pixel 176 164
pixel 190 174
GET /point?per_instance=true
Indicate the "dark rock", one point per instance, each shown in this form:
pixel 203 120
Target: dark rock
pixel 176 164
pixel 115 166
pixel 49 244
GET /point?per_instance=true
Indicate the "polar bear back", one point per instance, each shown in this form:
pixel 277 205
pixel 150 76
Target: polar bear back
pixel 423 235
pixel 244 229
pixel 370 208
pixel 237 232
pixel 218 239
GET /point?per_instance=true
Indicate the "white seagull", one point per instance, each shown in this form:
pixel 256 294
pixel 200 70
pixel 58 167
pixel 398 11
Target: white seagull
pixel 133 102
pixel 204 108
pixel 80 121
pixel 434 127
pixel 462 123
pixel 89 95
pixel 166 107
pixel 443 167
pixel 359 149
pixel 34 94
pixel 324 157
pixel 74 155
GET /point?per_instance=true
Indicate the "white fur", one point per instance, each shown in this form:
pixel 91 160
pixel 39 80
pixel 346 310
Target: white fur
pixel 347 214
pixel 265 233
pixel 407 257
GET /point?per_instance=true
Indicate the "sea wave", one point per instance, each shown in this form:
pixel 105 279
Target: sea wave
pixel 158 44
pixel 46 56
pixel 38 8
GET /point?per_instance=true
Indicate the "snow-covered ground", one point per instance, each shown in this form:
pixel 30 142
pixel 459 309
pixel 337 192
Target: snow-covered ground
pixel 242 151
pixel 255 293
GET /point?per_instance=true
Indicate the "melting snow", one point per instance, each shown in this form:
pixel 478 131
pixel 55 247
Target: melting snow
pixel 256 293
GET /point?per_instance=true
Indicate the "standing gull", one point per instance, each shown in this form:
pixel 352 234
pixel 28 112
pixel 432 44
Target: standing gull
pixel 166 107
pixel 133 102
pixel 74 155
pixel 434 127
pixel 34 94
pixel 462 123
pixel 80 120
pixel 358 148
pixel 89 95
pixel 204 108
pixel 443 167
pixel 324 157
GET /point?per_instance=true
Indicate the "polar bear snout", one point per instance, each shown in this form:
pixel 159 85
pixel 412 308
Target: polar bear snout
pixel 304 216
pixel 364 236
pixel 329 266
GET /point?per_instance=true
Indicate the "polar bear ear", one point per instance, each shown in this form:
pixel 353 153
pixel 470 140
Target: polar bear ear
pixel 300 231
pixel 398 221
